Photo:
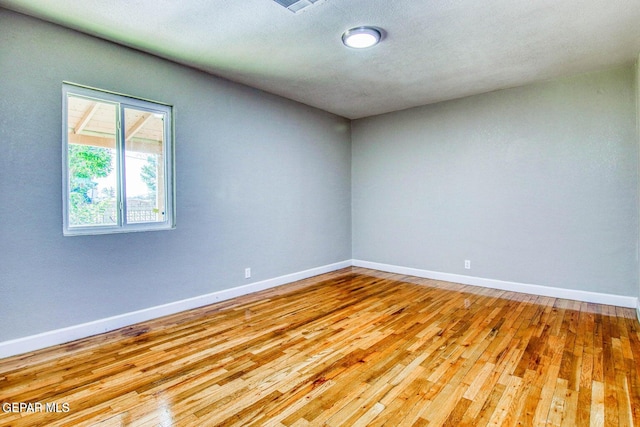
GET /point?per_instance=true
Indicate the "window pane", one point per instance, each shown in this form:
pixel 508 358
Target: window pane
pixel 144 165
pixel 91 156
pixel 118 166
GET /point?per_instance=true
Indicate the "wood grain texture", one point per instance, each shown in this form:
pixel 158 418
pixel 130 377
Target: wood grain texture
pixel 355 347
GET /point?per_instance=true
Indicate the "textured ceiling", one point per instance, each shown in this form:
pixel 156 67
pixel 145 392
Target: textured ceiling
pixel 433 50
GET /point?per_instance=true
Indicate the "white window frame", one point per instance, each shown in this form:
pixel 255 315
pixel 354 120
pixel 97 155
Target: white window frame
pixel 120 101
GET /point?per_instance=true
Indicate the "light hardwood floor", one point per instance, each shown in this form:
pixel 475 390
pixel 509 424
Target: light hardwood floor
pixel 354 347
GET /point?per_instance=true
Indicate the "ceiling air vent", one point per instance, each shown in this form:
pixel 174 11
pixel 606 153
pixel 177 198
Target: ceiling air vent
pixel 296 6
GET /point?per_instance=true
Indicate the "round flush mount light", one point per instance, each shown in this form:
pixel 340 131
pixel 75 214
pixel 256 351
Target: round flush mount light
pixel 361 37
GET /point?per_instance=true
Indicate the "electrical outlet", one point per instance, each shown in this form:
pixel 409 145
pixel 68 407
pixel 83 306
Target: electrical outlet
pixel 467 264
pixel 247 273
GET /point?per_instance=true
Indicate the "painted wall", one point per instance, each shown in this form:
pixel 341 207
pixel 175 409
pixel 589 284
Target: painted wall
pixel 535 185
pixel 637 69
pixel 262 182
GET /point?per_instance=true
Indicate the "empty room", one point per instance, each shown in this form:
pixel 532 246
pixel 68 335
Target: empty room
pixel 319 212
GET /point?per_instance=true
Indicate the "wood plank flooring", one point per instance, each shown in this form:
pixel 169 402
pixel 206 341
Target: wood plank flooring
pixel 355 347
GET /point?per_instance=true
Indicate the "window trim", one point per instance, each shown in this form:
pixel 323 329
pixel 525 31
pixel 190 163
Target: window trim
pixel 121 102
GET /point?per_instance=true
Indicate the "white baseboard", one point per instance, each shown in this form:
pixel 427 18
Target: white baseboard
pixel 585 296
pixel 72 333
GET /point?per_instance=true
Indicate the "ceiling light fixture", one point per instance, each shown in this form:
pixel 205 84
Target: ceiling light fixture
pixel 361 37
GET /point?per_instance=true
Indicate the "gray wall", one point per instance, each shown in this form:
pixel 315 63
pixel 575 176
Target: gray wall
pixel 535 185
pixel 262 182
pixel 637 69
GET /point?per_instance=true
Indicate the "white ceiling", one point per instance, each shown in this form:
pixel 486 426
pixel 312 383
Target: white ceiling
pixel 433 50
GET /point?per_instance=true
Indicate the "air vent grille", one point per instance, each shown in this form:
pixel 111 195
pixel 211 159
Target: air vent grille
pixel 296 6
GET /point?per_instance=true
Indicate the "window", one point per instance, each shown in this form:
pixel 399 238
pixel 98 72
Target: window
pixel 117 162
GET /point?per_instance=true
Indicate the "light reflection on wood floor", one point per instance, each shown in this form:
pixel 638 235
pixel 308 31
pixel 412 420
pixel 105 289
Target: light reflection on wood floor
pixel 348 348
